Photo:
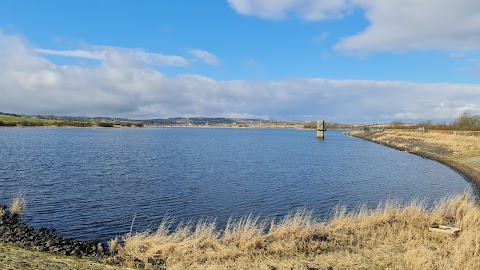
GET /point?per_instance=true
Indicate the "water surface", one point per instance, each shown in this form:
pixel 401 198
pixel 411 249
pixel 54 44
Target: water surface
pixel 90 183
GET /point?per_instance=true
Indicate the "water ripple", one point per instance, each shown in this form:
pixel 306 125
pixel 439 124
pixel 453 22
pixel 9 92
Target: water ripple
pixel 90 183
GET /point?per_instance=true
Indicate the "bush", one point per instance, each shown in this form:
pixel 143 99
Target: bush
pixel 30 124
pixel 310 125
pixel 103 124
pixel 19 205
pixel 467 121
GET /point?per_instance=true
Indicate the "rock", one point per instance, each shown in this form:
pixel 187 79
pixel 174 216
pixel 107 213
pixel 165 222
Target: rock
pixel 13 231
pixel 100 248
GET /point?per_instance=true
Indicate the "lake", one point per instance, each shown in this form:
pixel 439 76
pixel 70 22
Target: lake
pixel 90 183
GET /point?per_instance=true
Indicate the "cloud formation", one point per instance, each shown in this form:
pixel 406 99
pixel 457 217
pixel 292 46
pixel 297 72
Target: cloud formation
pixel 207 57
pixel 31 84
pixel 127 56
pixel 278 9
pixel 398 25
pixel 417 24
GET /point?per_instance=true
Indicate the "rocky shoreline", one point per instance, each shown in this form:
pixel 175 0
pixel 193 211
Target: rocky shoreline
pixel 18 233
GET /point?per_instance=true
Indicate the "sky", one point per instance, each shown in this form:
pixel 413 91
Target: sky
pixel 348 61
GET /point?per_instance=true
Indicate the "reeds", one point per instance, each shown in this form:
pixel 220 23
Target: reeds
pixel 394 235
pixel 19 205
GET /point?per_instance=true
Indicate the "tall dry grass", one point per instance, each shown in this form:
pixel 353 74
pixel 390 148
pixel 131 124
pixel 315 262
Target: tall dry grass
pixel 19 205
pixel 394 235
pixel 460 145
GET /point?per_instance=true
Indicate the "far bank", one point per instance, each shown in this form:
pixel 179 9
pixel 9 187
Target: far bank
pixel 460 152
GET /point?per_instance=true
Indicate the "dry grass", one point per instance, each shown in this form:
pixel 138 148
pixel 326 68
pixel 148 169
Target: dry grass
pixel 393 236
pixel 19 205
pixel 460 145
pixel 14 258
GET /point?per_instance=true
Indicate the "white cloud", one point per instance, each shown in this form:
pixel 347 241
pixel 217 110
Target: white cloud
pixel 417 24
pixel 125 56
pixel 205 56
pixel 399 25
pixel 95 55
pixel 278 9
pixel 31 84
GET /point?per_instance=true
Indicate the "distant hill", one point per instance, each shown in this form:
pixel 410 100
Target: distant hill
pixel 13 119
pixel 328 125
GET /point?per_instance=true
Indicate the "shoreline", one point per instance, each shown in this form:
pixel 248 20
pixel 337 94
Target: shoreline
pixel 453 162
pixel 391 235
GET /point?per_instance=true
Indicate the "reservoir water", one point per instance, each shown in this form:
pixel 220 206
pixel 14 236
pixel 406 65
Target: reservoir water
pixel 90 183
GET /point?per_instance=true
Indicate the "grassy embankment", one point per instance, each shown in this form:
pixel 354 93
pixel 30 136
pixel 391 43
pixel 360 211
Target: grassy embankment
pixel 393 236
pixel 26 121
pixel 13 258
pixel 22 121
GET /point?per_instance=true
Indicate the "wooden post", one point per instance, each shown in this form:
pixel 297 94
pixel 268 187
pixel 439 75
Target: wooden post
pixel 321 129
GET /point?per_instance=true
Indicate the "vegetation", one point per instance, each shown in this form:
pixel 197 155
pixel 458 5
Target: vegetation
pixel 19 205
pixel 73 124
pixel 13 258
pixel 465 122
pixel 328 125
pixel 105 124
pixel 14 120
pixel 393 236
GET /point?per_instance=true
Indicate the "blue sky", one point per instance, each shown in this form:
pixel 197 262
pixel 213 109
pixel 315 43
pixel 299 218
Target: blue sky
pixel 342 60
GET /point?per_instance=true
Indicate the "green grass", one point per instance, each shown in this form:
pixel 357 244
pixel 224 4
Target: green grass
pixel 7 119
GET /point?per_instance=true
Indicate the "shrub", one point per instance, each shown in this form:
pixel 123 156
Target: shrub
pixel 104 124
pixel 19 205
pixel 467 121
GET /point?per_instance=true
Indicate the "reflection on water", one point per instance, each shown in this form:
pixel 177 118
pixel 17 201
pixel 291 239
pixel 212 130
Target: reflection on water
pixel 89 183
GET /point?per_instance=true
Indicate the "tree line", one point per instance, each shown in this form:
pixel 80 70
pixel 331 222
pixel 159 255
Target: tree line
pixel 465 122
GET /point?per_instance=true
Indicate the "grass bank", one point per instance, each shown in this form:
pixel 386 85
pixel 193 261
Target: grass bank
pixel 14 258
pixel 393 236
pixel 25 121
pixel 462 153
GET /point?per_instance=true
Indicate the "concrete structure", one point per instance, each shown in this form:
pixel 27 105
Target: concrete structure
pixel 321 129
